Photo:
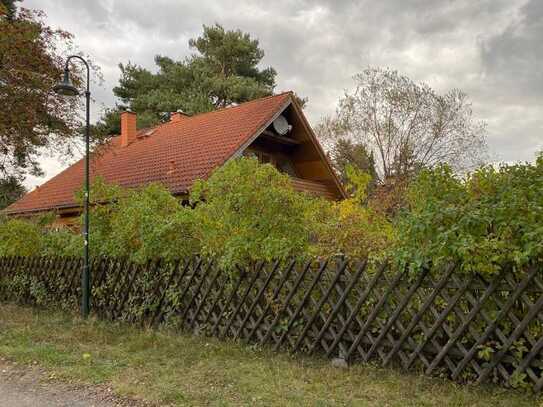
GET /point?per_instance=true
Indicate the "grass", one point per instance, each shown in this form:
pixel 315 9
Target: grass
pixel 175 369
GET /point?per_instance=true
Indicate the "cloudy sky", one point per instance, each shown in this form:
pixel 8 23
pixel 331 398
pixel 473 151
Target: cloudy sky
pixel 491 49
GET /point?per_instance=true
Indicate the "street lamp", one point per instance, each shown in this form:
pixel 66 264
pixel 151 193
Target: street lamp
pixel 67 88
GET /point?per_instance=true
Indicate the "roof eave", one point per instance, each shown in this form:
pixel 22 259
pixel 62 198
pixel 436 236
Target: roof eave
pixel 14 212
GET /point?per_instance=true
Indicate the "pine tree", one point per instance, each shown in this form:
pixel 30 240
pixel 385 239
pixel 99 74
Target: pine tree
pixel 224 70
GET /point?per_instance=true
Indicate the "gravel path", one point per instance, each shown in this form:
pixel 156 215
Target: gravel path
pixel 31 387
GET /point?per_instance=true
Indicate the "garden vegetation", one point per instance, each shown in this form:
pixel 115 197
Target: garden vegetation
pixel 486 220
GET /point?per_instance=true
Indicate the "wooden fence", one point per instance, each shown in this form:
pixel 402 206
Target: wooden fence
pixel 469 328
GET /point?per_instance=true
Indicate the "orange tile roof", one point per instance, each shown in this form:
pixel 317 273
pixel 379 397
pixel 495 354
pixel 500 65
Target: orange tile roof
pixel 175 154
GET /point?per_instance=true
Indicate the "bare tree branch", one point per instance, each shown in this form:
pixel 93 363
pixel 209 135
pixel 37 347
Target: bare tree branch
pixel 406 125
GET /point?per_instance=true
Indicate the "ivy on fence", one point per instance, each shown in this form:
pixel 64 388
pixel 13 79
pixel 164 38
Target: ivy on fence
pixel 469 328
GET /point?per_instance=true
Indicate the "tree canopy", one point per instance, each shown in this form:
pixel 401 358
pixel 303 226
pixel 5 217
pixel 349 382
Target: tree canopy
pixel 344 152
pixel 8 8
pixel 405 126
pixel 11 189
pixel 32 118
pixel 224 69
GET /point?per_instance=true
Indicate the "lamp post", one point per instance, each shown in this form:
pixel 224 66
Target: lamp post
pixel 67 88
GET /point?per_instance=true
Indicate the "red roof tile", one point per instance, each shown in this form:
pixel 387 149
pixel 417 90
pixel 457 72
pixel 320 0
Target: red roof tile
pixel 175 154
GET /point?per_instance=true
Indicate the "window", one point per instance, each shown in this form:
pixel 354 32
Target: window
pixel 263 158
pixel 282 163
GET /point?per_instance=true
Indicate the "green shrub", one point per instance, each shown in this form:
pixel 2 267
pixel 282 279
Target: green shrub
pixel 19 237
pixel 487 220
pixel 243 213
pixel 246 212
pixel 61 242
pixel 141 224
pixel 351 227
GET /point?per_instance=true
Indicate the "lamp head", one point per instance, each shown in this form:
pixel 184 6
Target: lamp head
pixel 66 87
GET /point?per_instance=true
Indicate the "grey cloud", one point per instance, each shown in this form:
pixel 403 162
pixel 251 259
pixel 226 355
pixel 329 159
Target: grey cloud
pixel 489 48
pixel 513 58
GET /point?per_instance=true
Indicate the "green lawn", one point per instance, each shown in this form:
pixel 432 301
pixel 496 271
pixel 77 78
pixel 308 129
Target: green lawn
pixel 185 370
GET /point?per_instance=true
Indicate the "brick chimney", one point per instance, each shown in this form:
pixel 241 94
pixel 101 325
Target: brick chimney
pixel 178 116
pixel 128 128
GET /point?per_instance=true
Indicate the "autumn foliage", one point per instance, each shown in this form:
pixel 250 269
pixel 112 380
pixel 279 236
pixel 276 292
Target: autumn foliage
pixel 247 212
pixel 33 117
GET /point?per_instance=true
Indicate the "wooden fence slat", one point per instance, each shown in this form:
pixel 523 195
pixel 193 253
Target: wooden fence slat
pixel 130 278
pixel 440 320
pixel 204 297
pixel 357 307
pixel 242 300
pixel 322 301
pixel 216 326
pixel 126 285
pixel 122 269
pixel 188 284
pixel 276 292
pixel 147 302
pixel 137 299
pixel 496 358
pixel 285 305
pixel 525 297
pixel 197 291
pixel 472 330
pixel 158 311
pixel 399 309
pixel 218 297
pixel 337 307
pixel 503 312
pixel 375 312
pixel 181 276
pixel 257 298
pixel 74 271
pixel 456 335
pixel 535 351
pixel 418 316
pixel 301 305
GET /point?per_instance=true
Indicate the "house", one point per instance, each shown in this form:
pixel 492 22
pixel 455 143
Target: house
pixel 188 148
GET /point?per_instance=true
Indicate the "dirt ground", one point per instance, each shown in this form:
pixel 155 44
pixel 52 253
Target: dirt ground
pixel 31 386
